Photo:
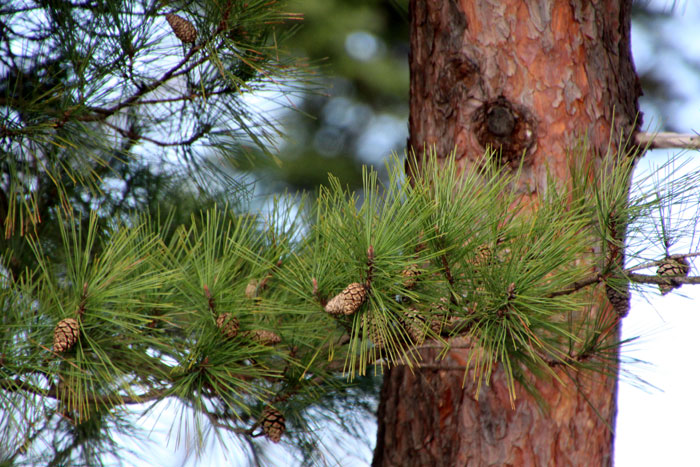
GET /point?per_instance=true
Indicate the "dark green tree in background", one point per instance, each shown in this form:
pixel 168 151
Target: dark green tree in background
pixel 134 271
pixel 359 104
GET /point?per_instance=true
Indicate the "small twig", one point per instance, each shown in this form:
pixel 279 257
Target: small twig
pixel 370 266
pixel 437 367
pixel 101 113
pixel 667 140
pixel 135 136
pixel 210 299
pixel 83 301
pixel 214 419
pixel 448 272
pixel 576 286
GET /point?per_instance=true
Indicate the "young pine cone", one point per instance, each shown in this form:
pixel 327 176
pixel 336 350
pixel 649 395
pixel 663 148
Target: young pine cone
pixel 65 334
pixel 273 424
pixel 348 301
pixel 183 29
pixel 228 324
pixel 670 268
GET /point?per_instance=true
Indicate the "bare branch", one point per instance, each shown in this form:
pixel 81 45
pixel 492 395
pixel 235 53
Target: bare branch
pixel 658 263
pixel 647 279
pixel 666 140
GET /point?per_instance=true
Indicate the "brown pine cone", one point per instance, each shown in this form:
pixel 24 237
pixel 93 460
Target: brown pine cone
pixel 410 276
pixel 228 324
pixel 620 300
pixel 65 334
pixel 273 424
pixel 348 301
pixel 264 337
pixel 372 330
pixel 183 29
pixel 414 325
pixel 670 268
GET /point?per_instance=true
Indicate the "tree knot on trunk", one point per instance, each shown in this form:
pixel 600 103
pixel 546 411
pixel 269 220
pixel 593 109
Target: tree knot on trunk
pixel 505 127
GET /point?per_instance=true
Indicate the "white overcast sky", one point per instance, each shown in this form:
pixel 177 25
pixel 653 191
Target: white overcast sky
pixel 660 427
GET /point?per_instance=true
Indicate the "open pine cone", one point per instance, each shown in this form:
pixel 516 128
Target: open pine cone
pixel 410 276
pixel 670 268
pixel 273 424
pixel 65 334
pixel 348 301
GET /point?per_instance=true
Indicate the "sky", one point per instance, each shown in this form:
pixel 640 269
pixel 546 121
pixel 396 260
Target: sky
pixel 658 424
pixel 657 421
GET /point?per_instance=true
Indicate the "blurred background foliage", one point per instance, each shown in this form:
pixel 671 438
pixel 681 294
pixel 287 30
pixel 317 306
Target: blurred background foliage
pixel 356 113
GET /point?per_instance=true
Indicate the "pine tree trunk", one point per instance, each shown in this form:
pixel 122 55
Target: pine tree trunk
pixel 530 77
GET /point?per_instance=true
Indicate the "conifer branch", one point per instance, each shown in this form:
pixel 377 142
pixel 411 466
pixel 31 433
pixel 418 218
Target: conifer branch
pixel 578 285
pixel 102 113
pixel 18 385
pixel 133 135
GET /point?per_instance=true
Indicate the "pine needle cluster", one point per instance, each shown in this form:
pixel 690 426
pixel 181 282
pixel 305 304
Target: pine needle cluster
pixel 231 314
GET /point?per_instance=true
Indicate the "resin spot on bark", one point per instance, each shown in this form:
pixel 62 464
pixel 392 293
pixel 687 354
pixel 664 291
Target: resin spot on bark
pixel 505 127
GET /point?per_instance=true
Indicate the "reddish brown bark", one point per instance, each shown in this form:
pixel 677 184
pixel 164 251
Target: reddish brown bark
pixel 529 77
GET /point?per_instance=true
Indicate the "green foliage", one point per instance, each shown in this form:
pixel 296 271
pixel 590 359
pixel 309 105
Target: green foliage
pixel 513 284
pixel 181 296
pixel 98 99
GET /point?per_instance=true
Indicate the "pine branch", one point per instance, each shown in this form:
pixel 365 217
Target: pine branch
pixel 18 385
pixel 101 113
pixel 132 135
pixel 578 285
pixel 668 140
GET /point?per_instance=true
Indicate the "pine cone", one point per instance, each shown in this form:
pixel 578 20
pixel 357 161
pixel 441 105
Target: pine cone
pixel 619 299
pixel 264 337
pixel 410 276
pixel 228 324
pixel 272 422
pixel 482 256
pixel 65 334
pixel 348 301
pixel 373 332
pixel 678 267
pixel 415 326
pixel 183 29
